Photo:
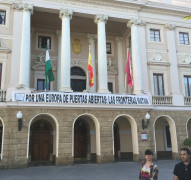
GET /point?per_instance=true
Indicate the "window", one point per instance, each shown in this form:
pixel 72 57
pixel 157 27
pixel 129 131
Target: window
pixel 187 85
pixel 41 85
pixel 108 48
pixel 78 79
pixel 42 42
pixel 0 74
pixel 158 84
pixel 155 35
pixel 110 87
pixel 184 39
pixel 2 17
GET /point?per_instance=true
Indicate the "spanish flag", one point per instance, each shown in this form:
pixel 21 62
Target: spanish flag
pixel 90 69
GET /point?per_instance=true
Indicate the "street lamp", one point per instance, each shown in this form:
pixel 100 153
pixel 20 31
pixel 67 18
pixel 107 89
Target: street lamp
pixel 20 120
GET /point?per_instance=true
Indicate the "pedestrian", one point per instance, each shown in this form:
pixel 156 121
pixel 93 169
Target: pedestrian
pixel 149 170
pixel 182 170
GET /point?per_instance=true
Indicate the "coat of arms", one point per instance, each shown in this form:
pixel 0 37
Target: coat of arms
pixel 76 46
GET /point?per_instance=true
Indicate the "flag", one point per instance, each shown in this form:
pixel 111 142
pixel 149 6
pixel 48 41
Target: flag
pixel 48 69
pixel 128 71
pixel 90 69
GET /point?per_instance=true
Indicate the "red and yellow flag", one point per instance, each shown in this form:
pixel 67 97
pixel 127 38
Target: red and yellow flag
pixel 90 69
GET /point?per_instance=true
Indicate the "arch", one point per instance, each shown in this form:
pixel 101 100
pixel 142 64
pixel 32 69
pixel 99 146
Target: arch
pixel 1 156
pixel 97 128
pixel 57 131
pixel 172 132
pixel 133 130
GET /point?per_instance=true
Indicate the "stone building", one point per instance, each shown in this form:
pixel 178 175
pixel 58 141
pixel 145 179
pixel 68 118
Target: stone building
pixel 72 122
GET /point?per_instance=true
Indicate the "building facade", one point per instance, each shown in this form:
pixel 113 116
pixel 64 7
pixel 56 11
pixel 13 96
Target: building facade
pixel 70 121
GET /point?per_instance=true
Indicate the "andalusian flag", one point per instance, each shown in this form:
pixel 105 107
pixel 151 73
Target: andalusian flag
pixel 90 69
pixel 48 69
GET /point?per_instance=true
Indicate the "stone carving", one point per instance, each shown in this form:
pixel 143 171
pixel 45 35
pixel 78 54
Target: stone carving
pixel 39 62
pixel 187 59
pixel 171 26
pixel 77 62
pixel 157 57
pixel 100 17
pixel 92 36
pixel 118 39
pixel 66 13
pixel 137 21
pixel 23 7
pixel 3 47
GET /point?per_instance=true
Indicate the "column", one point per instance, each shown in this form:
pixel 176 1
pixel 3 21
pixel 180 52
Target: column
pixel 175 83
pixel 92 40
pixel 58 33
pixel 136 54
pixel 20 64
pixel 121 68
pixel 102 55
pixel 65 68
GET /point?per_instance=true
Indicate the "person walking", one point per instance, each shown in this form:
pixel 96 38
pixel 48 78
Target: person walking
pixel 149 170
pixel 182 170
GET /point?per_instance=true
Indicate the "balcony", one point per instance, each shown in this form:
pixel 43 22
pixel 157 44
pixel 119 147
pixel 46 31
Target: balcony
pixel 3 95
pixel 187 100
pixel 162 100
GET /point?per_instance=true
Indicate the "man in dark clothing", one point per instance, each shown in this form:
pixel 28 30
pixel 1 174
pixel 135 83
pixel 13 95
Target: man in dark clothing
pixel 182 170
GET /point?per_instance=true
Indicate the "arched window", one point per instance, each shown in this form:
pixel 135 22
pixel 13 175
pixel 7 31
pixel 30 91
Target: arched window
pixel 78 79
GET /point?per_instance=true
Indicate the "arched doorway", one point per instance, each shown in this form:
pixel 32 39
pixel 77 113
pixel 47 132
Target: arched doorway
pixel 78 79
pixel 125 138
pixel 86 139
pixel 165 138
pixel 41 142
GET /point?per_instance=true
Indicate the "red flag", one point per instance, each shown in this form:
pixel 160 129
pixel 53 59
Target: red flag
pixel 90 69
pixel 128 71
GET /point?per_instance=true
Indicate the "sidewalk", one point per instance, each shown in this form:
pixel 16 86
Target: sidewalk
pixel 115 171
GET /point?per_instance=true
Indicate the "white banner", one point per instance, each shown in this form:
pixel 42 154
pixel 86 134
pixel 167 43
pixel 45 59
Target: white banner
pixel 80 98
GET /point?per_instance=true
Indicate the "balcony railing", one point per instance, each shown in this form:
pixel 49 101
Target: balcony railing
pixel 162 100
pixel 3 95
pixel 187 100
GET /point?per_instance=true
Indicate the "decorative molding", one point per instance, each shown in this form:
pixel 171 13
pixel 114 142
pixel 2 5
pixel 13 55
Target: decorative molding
pixel 39 62
pixel 58 33
pixel 171 27
pixel 157 57
pixel 91 36
pixel 138 22
pixel 110 67
pixel 23 7
pixel 66 13
pixel 118 39
pixel 100 17
pixel 187 59
pixel 3 47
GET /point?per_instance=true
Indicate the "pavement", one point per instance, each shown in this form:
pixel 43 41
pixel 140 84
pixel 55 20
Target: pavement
pixel 114 171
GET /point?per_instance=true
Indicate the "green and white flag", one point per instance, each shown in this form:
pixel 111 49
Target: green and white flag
pixel 48 69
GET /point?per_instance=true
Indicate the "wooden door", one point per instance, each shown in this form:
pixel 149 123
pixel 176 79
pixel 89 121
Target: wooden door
pixel 80 140
pixel 40 146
